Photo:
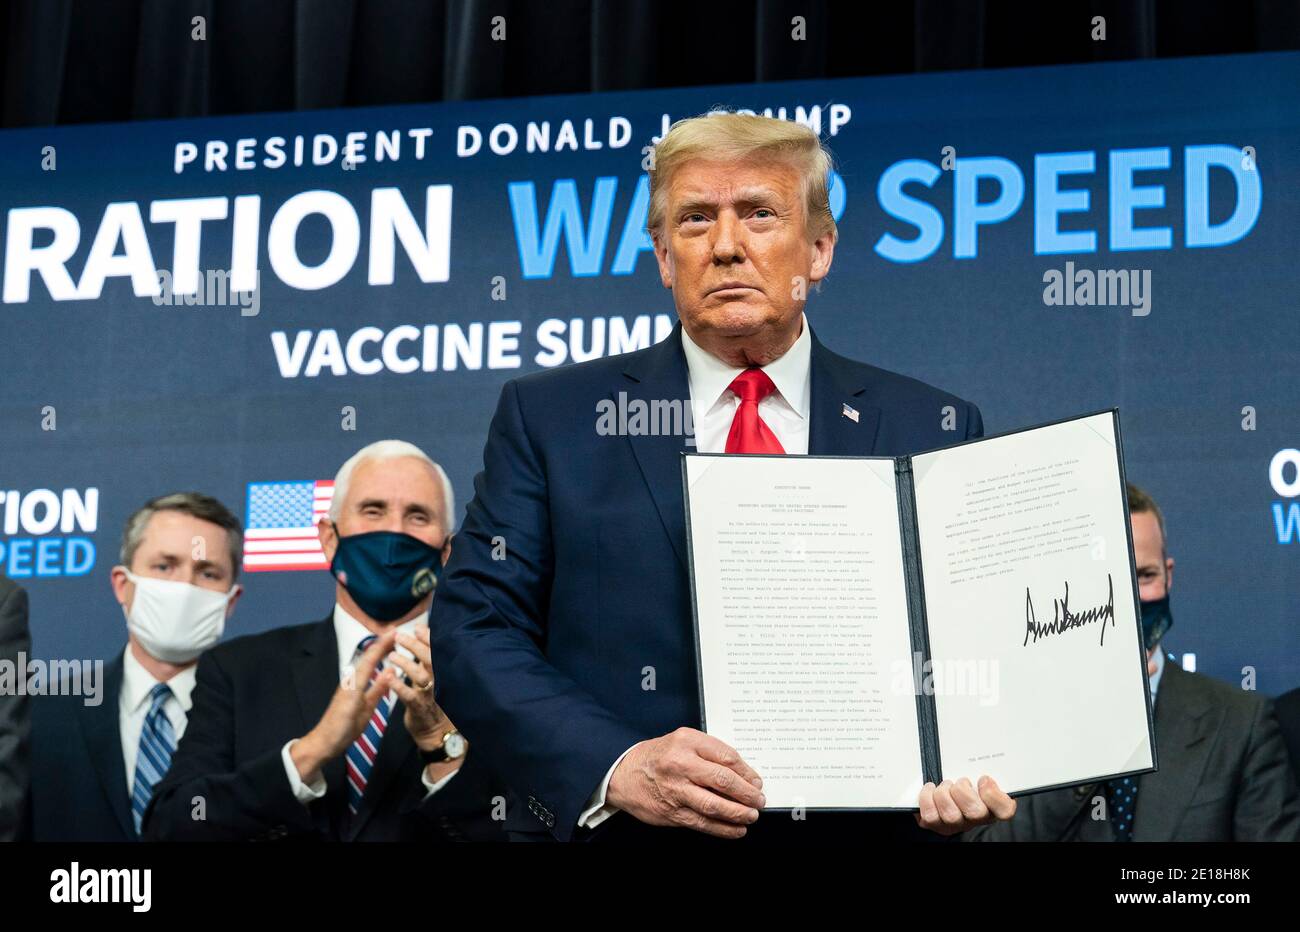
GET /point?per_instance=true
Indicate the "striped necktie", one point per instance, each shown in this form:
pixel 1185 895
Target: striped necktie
pixel 157 742
pixel 361 756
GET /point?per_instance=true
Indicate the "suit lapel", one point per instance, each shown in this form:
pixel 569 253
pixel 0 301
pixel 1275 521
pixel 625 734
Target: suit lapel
pixel 1183 725
pixel 659 375
pixel 835 396
pixel 102 732
pixel 394 751
pixel 315 678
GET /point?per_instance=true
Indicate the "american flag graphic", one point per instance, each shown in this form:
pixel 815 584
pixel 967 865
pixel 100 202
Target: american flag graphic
pixel 281 525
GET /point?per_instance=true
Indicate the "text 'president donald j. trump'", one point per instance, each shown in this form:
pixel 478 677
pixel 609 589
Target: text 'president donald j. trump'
pixel 562 633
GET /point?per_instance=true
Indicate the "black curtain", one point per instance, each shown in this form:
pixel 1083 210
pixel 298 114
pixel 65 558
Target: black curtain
pixel 74 61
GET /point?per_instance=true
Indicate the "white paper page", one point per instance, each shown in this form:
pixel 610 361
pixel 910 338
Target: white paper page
pixel 1005 525
pixel 804 646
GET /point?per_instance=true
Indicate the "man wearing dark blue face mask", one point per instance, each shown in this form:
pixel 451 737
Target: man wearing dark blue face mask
pixel 1223 771
pixel 331 729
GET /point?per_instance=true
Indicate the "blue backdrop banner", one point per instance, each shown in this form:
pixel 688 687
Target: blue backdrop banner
pixel 237 304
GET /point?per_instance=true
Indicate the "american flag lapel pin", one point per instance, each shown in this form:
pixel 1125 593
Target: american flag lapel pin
pixel 850 413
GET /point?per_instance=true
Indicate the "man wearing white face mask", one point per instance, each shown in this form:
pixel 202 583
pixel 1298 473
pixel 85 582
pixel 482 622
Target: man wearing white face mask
pixel 176 585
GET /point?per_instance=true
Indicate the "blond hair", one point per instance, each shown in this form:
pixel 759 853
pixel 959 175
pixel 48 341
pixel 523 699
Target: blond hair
pixel 723 136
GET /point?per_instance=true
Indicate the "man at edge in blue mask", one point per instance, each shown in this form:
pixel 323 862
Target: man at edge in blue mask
pixel 1223 771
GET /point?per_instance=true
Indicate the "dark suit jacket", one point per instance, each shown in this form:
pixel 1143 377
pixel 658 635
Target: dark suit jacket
pixel 1288 716
pixel 15 715
pixel 1223 776
pixel 79 789
pixel 255 693
pixel 541 655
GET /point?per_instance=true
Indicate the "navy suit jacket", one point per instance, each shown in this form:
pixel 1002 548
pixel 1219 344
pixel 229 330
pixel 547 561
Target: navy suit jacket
pixel 79 790
pixel 567 590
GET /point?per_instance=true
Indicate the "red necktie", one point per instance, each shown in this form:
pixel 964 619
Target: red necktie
pixel 748 432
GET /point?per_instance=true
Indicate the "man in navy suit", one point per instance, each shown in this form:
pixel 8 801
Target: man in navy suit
pixel 96 759
pixel 562 636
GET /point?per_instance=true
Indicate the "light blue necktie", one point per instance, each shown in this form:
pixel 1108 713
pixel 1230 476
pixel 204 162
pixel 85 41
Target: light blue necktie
pixel 157 742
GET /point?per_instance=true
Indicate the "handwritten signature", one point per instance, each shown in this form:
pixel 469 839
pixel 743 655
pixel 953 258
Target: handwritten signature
pixel 1063 619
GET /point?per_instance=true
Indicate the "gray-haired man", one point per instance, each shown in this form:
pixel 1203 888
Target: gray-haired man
pixel 330 730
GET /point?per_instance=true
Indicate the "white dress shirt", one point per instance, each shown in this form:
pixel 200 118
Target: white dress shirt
pixel 1159 658
pixel 713 407
pixel 714 404
pixel 349 632
pixel 133 706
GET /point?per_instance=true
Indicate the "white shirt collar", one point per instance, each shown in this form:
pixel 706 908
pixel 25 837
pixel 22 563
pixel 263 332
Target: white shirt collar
pixel 710 377
pixel 137 683
pixel 349 632
pixel 1159 658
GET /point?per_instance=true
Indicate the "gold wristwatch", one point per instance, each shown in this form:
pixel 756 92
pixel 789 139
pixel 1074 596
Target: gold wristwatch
pixel 453 747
